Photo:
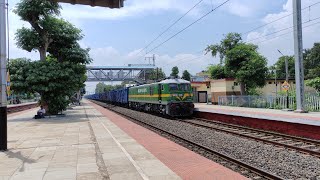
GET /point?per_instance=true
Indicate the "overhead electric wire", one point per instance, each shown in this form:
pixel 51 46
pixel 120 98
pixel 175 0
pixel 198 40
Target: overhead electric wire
pixel 174 23
pixel 188 26
pixel 247 32
pixel 288 32
pixel 282 30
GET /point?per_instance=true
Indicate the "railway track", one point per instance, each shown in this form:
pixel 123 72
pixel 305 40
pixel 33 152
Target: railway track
pixel 300 144
pixel 232 163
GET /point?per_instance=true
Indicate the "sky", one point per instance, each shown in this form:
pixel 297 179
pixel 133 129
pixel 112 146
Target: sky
pixel 118 36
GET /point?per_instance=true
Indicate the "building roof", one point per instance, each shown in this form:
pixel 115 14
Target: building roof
pixel 101 3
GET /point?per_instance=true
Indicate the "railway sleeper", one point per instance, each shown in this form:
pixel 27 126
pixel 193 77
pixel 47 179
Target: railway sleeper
pixel 296 143
pixel 308 146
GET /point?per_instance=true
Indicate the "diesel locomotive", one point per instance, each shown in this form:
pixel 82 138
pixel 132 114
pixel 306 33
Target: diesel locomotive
pixel 171 97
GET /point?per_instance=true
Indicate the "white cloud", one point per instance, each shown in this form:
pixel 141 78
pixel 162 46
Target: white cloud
pixel 109 56
pixel 132 8
pixel 268 45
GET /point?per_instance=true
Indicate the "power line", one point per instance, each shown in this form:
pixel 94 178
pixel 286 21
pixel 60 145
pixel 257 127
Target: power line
pixel 282 30
pixel 170 26
pixel 188 26
pixel 278 19
pixel 287 33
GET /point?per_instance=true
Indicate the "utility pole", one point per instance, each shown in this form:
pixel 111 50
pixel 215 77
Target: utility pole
pixel 287 75
pixel 298 47
pixel 3 77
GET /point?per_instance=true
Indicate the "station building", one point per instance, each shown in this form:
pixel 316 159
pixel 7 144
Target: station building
pixel 206 90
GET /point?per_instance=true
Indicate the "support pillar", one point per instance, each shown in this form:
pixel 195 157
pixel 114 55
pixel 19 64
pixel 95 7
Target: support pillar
pixel 3 77
pixel 298 55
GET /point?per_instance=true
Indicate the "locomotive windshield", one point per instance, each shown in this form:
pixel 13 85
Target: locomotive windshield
pixel 179 87
pixel 184 87
pixel 173 87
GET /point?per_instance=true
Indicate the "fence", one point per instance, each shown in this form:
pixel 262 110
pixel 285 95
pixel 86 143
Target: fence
pixel 312 102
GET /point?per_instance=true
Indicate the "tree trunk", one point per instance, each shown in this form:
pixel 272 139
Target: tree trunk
pixel 242 89
pixel 43 53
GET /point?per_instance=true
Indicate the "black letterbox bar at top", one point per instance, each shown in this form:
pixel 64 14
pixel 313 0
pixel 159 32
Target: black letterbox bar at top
pixel 101 3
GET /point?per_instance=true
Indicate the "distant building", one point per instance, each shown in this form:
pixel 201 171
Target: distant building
pixel 210 90
pixel 274 86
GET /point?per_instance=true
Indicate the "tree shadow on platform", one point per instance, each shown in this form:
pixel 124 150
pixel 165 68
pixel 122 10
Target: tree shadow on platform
pixel 18 155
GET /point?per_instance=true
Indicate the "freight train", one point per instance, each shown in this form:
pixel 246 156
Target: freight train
pixel 172 97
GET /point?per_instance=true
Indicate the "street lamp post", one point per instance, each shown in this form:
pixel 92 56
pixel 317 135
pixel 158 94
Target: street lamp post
pixel 287 75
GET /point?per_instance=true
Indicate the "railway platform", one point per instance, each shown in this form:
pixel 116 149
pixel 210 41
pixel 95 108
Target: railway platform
pixel 91 142
pixel 19 107
pixel 288 122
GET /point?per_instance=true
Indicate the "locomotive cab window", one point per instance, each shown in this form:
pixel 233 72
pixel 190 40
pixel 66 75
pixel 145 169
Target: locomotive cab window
pixel 173 87
pixel 184 87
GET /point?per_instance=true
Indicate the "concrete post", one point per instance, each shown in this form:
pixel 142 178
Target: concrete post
pixel 3 77
pixel 298 54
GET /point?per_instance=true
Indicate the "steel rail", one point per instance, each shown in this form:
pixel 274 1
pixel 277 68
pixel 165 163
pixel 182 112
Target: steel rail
pixel 263 131
pixel 303 140
pixel 246 166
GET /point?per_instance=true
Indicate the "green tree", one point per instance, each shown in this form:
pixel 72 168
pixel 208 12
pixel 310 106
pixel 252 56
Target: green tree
pixel 175 72
pixel 60 74
pixel 315 83
pixel 38 13
pixel 280 67
pixel 217 71
pixel 186 75
pixel 229 42
pixel 312 62
pixel 100 88
pixel 18 69
pixel 155 74
pixel 244 63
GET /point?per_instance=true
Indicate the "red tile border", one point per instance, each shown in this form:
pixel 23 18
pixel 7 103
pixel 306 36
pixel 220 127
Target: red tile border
pixel 182 161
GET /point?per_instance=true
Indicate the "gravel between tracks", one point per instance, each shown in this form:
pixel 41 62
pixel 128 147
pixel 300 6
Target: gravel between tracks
pixel 282 162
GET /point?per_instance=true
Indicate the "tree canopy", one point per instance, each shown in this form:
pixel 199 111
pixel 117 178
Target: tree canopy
pixel 175 72
pixel 217 71
pixel 241 61
pixel 155 74
pixel 60 74
pixel 315 83
pixel 186 75
pixel 40 14
pixel 101 87
pixel 230 41
pixel 244 63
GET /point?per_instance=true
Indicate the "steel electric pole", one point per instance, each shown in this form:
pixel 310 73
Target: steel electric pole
pixel 298 54
pixel 3 77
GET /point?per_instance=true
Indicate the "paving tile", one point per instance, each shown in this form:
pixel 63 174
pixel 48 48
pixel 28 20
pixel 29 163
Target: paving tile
pixel 86 160
pixel 34 174
pixel 87 168
pixel 61 174
pixel 89 176
pixel 155 170
pixel 111 156
pixel 114 169
pixel 122 176
pixel 57 166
